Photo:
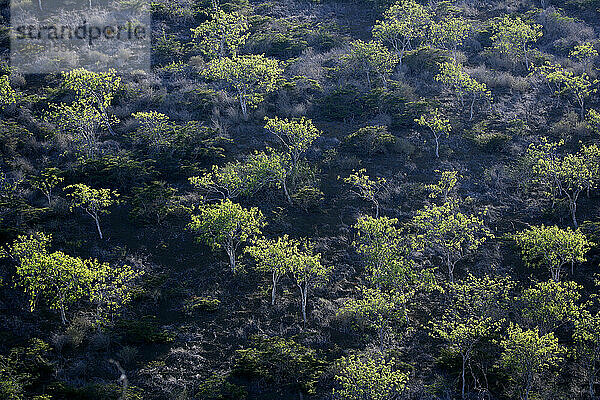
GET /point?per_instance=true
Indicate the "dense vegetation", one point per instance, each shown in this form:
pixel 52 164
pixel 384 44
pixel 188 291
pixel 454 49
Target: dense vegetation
pixel 326 199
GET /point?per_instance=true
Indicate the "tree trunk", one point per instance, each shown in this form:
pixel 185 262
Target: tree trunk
pixel 231 254
pixel 450 269
pixel 63 317
pixel 574 213
pixel 274 290
pixel 285 190
pixel 437 146
pixel 98 226
pixel 303 298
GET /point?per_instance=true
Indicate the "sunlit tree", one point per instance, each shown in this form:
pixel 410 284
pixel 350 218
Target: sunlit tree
pixel 527 356
pixel 227 225
pixel 403 23
pixel 248 77
pixel 450 234
pixel 221 35
pixel 274 256
pixel 373 378
pixel 513 37
pixel 94 202
pixel 552 247
pixel 46 181
pixel 437 124
pixel 368 189
pixel 371 59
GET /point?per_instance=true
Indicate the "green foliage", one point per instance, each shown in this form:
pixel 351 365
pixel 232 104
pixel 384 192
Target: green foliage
pixel 527 357
pixel 371 58
pixel 403 23
pixel 308 197
pixel 563 177
pixel 373 378
pixel 95 91
pixel 445 187
pixel 450 234
pixel 580 87
pixel 296 136
pixel 216 387
pixel 364 187
pixel 473 316
pixel 585 53
pixel 513 37
pixel 80 122
pixel 196 304
pixel 280 362
pixel 7 94
pixel 249 77
pixel 548 305
pixel 458 81
pixel 437 124
pixel 221 35
pixel 153 202
pixel 375 139
pixel 46 181
pixel 23 368
pixel 379 242
pixel 586 336
pixel 228 182
pixel 552 247
pixel 377 311
pixel 276 257
pixel 593 121
pixel 60 280
pixel 93 201
pixel 226 225
pixel 155 130
pixel 307 272
pixel 450 33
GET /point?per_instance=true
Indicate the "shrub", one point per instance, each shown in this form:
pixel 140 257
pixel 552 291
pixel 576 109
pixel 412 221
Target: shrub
pixel 217 388
pixel 280 361
pixel 198 304
pixel 143 330
pixel 341 104
pixel 308 197
pixel 376 139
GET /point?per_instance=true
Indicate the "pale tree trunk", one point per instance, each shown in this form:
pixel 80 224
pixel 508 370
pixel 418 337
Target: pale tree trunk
pixel 231 253
pixel 437 146
pixel 274 290
pixel 97 220
pixel 304 298
pixel 573 207
pixel 243 103
pixel 285 190
pixel 451 266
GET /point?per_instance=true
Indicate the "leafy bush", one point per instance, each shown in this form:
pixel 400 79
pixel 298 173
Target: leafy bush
pixel 143 330
pixel 341 104
pixel 198 304
pixel 280 361
pixel 217 388
pixel 308 197
pixel 375 139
